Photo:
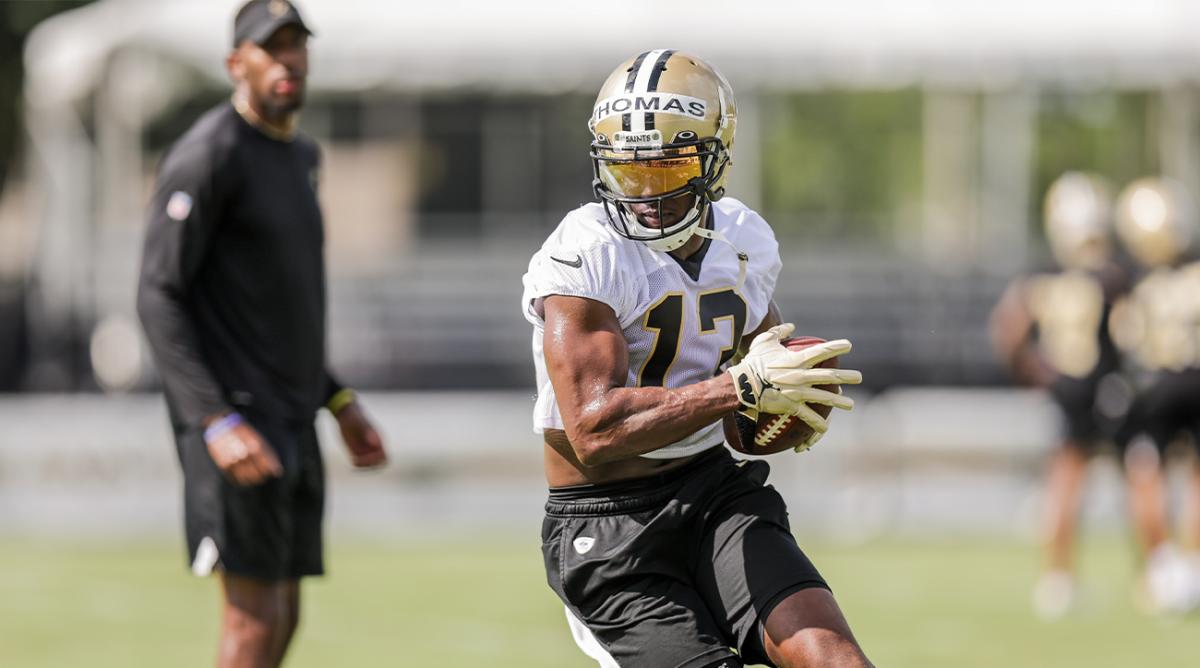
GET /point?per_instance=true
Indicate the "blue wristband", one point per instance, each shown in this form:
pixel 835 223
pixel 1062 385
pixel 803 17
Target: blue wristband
pixel 219 427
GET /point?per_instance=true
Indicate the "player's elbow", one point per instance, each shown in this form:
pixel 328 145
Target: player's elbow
pixel 155 303
pixel 588 450
pixel 597 431
pixel 590 454
pixel 592 446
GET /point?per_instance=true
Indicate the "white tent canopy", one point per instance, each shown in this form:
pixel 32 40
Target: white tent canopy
pixel 548 44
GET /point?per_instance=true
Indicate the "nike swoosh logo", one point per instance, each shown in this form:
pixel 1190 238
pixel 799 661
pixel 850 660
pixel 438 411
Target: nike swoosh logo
pixel 576 263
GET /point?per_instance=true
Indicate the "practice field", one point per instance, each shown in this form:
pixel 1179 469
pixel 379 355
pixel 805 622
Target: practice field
pixel 457 602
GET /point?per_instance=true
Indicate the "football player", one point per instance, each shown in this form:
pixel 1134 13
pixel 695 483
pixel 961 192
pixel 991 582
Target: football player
pixel 1159 325
pixel 232 298
pixel 1051 329
pixel 653 319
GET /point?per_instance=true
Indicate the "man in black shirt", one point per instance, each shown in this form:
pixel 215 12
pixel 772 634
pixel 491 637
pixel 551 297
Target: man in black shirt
pixel 232 298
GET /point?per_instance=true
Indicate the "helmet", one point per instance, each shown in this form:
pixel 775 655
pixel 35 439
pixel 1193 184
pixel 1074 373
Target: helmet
pixel 662 127
pixel 1077 216
pixel 1156 220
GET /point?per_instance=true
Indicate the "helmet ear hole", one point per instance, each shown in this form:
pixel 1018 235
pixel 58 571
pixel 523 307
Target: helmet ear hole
pixel 684 136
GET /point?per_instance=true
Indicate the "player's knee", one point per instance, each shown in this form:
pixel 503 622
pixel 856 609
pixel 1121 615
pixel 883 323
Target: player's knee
pixel 821 647
pixel 258 625
pixel 257 619
pixel 247 639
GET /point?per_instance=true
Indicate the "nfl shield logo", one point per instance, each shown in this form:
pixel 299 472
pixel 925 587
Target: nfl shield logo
pixel 179 206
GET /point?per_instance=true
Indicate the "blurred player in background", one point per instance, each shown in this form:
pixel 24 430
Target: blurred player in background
pixel 1158 324
pixel 665 550
pixel 232 298
pixel 1052 329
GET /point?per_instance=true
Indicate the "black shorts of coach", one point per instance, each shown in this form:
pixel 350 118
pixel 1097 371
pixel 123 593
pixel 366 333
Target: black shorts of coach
pixel 271 531
pixel 676 569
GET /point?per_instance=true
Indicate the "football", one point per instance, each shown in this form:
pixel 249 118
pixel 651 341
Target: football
pixel 776 433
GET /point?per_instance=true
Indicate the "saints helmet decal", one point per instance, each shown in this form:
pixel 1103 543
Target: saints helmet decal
pixel 662 128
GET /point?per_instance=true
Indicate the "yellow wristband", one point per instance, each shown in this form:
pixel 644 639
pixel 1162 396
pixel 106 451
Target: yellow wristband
pixel 342 399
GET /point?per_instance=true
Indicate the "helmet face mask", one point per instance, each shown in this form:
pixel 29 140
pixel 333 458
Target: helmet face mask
pixel 633 182
pixel 662 131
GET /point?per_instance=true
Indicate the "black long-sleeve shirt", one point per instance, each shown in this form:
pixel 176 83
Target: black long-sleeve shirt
pixel 232 287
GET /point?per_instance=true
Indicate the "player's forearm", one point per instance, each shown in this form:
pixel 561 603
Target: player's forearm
pixel 187 379
pixel 630 421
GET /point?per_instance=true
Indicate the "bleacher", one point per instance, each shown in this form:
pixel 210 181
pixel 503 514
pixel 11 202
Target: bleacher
pixel 445 315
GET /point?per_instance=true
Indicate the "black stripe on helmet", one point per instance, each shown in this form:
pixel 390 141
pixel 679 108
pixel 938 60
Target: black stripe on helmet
pixel 633 71
pixel 626 121
pixel 652 83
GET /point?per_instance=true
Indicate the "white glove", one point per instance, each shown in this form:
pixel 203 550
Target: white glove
pixel 810 441
pixel 773 379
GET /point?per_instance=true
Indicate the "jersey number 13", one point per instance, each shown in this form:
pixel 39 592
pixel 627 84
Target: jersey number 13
pixel 665 319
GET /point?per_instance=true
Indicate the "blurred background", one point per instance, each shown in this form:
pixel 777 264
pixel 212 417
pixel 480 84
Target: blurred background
pixel 900 150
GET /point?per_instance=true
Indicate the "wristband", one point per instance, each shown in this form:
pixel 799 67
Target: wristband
pixel 224 424
pixel 341 399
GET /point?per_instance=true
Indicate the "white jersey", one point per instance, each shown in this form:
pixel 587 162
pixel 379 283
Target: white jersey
pixel 1163 327
pixel 682 321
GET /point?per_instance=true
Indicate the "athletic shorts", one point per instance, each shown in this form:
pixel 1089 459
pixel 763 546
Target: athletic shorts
pixel 1165 408
pixel 676 570
pixel 1083 425
pixel 270 531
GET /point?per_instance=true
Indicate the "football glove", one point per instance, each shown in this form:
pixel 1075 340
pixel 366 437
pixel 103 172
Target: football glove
pixel 810 441
pixel 774 379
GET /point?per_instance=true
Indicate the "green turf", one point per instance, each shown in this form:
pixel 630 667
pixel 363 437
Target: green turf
pixel 460 603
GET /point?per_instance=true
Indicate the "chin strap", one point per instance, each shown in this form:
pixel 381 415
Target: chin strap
pixel 669 242
pixel 743 259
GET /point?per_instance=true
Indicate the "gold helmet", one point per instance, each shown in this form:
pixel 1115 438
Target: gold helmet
pixel 1077 216
pixel 1156 220
pixel 662 127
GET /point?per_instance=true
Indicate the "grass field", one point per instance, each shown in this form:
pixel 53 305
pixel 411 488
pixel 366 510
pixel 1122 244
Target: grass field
pixel 475 603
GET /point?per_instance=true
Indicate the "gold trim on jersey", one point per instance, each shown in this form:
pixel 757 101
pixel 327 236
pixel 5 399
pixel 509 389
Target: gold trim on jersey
pixel 735 335
pixel 658 336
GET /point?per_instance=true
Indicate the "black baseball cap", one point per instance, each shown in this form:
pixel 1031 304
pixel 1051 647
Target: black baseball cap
pixel 257 20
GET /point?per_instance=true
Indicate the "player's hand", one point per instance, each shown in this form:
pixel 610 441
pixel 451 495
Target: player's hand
pixel 810 441
pixel 773 379
pixel 362 440
pixel 243 455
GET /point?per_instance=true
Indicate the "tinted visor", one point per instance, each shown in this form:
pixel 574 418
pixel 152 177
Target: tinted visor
pixel 648 176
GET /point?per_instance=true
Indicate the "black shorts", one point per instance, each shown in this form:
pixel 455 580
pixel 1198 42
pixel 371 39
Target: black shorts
pixel 676 569
pixel 1084 425
pixel 270 531
pixel 1163 409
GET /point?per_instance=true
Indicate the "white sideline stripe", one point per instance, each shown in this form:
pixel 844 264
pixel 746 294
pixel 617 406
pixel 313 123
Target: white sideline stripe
pixel 206 557
pixel 588 643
